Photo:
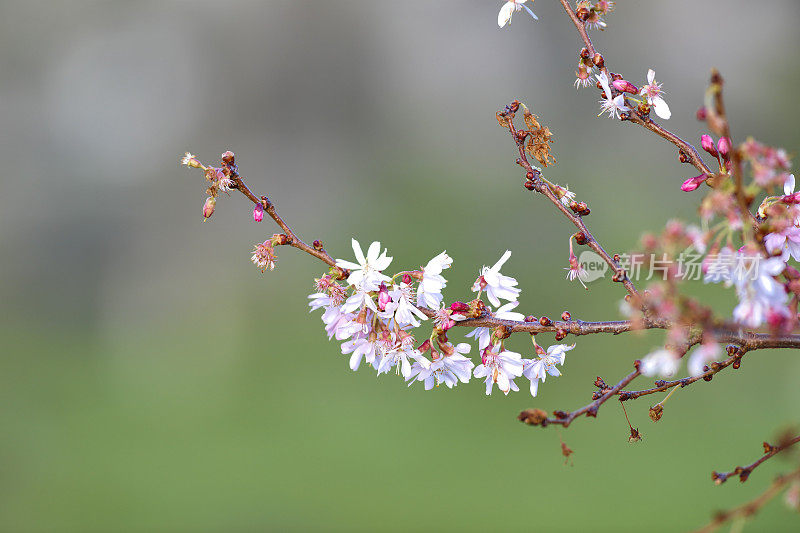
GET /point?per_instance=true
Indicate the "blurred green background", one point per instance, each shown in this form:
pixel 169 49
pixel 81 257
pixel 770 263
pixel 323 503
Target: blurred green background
pixel 153 380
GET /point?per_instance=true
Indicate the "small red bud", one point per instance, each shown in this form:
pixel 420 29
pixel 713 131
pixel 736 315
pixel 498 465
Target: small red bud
pixel 545 321
pixel 701 113
pixel 228 157
pixel 258 213
pixel 598 61
pixel 530 185
pixel 584 52
pixel 580 238
pixel 531 318
pixel 317 244
pixel 407 279
pixel 582 14
pixel 529 175
pixel 560 334
pixel 565 316
pixel 208 207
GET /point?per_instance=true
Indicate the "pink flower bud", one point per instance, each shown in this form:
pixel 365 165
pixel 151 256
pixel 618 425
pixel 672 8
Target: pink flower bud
pixel 625 86
pixel 383 297
pixel 724 147
pixel 407 279
pixel 208 207
pixel 693 183
pixel 258 213
pixel 459 307
pixel 708 145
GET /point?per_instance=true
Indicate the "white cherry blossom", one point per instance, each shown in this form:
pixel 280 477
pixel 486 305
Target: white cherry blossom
pixel 496 284
pixel 429 292
pixel 366 273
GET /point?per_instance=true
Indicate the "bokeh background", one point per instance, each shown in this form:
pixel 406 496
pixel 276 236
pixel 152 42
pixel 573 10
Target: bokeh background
pixel 153 380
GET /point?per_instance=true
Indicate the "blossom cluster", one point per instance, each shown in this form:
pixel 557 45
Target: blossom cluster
pixel 375 318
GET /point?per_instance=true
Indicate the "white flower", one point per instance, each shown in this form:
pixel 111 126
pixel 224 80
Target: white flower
pixel 652 92
pixel 337 323
pixel 448 369
pixel 661 362
pixel 760 294
pixel 538 368
pixel 610 105
pixel 706 353
pixel 359 300
pixel 366 273
pixel 504 312
pixel 319 299
pixel 399 357
pixel 499 367
pixel 788 185
pixel 508 9
pixel 360 347
pixel 495 284
pixel 429 292
pixel 401 309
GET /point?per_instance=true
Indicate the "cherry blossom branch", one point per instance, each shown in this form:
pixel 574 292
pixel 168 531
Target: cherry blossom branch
pixel 536 183
pixel 744 471
pixel 684 147
pixel 291 238
pixel 544 325
pixel 747 342
pixel 752 507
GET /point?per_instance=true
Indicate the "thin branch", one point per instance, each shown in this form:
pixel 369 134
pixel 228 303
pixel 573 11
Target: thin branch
pixel 565 419
pixel 634 117
pixel 752 507
pixel 541 187
pixel 744 471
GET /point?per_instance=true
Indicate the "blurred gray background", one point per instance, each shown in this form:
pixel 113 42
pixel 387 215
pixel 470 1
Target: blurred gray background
pixel 154 380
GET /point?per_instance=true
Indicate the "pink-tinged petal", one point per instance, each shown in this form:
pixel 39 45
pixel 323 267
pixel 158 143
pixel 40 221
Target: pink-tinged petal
pixel 651 76
pixel 788 186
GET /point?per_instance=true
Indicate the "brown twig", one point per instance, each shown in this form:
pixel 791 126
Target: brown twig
pixel 752 507
pixel 744 472
pixel 565 419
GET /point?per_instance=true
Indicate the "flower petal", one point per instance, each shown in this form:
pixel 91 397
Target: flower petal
pixel 661 108
pixel 504 17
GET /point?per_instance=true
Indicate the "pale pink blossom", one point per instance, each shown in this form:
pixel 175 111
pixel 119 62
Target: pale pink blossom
pixel 501 367
pixel 652 93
